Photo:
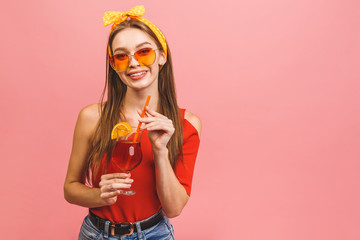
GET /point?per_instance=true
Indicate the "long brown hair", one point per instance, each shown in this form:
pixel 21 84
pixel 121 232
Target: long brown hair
pixel 111 110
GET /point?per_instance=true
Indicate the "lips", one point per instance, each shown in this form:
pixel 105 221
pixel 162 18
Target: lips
pixel 136 75
pixel 135 72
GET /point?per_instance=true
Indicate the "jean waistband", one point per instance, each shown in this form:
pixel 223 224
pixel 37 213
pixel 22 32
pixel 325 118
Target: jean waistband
pixel 125 228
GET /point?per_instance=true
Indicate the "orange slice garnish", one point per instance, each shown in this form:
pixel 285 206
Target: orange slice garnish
pixel 121 129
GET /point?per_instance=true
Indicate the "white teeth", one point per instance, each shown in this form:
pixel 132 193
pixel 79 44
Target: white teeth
pixel 136 74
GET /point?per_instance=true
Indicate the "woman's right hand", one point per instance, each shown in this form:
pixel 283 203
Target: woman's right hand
pixel 110 185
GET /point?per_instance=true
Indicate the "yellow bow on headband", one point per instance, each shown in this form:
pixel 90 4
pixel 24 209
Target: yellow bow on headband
pixel 116 18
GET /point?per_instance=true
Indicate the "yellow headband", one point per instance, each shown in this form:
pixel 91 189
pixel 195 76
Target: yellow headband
pixel 136 12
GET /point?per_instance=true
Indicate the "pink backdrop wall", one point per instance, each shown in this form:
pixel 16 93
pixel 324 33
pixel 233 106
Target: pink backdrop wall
pixel 276 84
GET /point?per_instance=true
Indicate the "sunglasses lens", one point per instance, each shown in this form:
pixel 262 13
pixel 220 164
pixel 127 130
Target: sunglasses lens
pixel 119 62
pixel 145 56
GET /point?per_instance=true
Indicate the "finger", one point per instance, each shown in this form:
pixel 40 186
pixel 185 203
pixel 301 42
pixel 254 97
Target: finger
pixel 120 185
pixel 162 127
pixel 148 119
pixel 115 175
pixel 155 119
pixel 147 114
pixel 139 112
pixel 115 180
pixel 154 114
pixel 106 195
pixel 111 187
pixel 166 122
pixel 149 111
pixel 158 123
pixel 106 188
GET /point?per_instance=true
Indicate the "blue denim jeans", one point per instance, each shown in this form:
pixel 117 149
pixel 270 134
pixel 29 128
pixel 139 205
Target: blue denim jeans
pixel 162 231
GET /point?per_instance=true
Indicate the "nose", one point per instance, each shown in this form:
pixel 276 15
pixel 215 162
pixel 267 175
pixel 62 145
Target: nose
pixel 132 61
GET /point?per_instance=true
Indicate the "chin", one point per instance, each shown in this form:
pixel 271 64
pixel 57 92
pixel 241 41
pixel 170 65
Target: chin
pixel 141 85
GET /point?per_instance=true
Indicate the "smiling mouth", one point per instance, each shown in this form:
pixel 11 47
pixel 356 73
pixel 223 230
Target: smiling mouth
pixel 137 74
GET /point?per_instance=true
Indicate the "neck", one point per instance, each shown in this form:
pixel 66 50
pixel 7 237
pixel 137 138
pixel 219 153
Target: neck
pixel 135 100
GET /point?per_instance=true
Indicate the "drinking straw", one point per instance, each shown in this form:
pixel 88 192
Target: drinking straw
pixel 142 115
pixel 138 129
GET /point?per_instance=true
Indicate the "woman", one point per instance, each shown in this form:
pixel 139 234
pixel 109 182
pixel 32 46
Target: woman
pixel 138 65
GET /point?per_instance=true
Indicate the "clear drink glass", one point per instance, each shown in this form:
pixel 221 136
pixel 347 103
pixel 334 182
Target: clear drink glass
pixel 126 154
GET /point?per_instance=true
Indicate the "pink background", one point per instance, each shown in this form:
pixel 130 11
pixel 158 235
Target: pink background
pixel 276 84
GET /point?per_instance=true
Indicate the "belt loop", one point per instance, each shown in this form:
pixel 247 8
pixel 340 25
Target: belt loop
pixel 139 231
pixel 106 230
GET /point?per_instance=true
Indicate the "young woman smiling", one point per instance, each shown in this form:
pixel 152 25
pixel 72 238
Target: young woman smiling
pixel 138 65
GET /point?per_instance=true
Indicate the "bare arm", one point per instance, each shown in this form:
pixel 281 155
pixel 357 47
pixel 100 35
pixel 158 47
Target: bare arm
pixel 171 193
pixel 75 191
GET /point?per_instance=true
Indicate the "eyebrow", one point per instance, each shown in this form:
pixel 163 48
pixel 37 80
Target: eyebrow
pixel 139 45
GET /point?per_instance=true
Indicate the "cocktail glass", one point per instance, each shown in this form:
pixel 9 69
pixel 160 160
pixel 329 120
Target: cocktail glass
pixel 126 154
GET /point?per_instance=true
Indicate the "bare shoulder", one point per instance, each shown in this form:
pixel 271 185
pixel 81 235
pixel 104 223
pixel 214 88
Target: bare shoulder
pixel 194 120
pixel 89 117
pixel 90 112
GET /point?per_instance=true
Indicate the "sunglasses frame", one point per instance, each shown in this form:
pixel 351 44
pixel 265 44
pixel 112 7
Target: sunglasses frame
pixel 130 55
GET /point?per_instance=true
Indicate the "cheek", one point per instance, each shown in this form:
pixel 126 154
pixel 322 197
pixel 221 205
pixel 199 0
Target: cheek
pixel 154 73
pixel 122 77
pixel 155 68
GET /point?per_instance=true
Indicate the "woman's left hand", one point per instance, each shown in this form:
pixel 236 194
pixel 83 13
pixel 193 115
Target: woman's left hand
pixel 160 128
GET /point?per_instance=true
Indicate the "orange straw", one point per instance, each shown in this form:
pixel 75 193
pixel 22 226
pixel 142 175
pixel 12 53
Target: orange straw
pixel 142 115
pixel 138 129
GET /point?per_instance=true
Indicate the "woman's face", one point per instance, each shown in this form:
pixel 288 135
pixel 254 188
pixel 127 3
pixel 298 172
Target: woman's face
pixel 129 41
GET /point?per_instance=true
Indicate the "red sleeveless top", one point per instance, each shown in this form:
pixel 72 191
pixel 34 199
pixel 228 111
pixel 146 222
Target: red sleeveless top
pixel 145 202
